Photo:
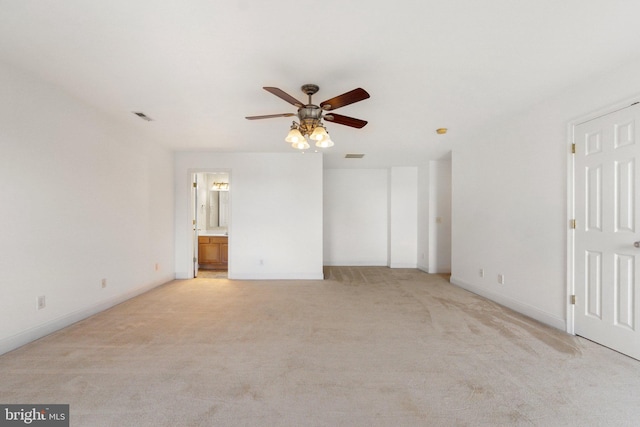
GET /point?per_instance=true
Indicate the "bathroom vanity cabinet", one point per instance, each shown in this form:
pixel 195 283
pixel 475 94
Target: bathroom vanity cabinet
pixel 213 252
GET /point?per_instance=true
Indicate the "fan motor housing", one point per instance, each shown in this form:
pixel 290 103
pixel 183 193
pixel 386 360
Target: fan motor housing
pixel 309 116
pixel 309 111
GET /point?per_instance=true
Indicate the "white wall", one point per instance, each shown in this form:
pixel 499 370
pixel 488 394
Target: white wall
pixel 275 229
pixel 440 216
pixel 434 217
pixel 403 217
pixel 355 216
pixel 81 199
pixel 510 198
pixel 372 216
pixel 424 232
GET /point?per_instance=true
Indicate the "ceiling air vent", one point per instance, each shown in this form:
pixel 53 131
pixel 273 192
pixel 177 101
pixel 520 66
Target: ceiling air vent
pixel 354 156
pixel 143 116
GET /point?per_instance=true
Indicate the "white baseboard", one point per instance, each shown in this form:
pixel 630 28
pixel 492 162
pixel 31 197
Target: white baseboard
pixel 527 310
pixel 357 263
pixel 402 265
pixel 426 269
pixel 278 276
pixel 260 276
pixel 37 332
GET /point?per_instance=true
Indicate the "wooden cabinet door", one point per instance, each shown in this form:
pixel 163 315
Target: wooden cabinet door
pixel 213 252
pixel 209 253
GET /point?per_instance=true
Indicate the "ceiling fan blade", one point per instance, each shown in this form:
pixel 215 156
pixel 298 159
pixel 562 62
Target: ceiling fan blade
pixel 270 116
pixel 344 120
pixel 347 98
pixel 284 95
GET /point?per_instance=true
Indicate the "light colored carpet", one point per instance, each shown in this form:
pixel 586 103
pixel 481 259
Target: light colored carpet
pixel 212 274
pixel 367 347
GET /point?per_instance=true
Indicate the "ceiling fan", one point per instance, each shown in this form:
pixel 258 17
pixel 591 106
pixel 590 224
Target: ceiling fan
pixel 311 115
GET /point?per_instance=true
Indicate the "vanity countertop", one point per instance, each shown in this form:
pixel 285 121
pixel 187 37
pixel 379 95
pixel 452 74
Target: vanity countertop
pixel 212 234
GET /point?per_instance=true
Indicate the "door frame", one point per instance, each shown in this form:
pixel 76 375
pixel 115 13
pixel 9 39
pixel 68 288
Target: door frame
pixel 571 196
pixel 192 215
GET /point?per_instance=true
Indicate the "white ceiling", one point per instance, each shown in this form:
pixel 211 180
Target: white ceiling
pixel 197 67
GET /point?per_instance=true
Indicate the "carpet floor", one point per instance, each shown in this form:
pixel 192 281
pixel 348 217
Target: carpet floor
pixel 212 274
pixel 369 346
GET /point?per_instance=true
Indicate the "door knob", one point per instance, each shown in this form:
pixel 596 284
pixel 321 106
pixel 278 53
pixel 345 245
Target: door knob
pixel 636 244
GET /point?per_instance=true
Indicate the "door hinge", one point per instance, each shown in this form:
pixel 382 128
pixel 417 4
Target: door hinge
pixel 572 299
pixel 193 222
pixel 195 259
pixel 573 148
pixel 195 185
pixel 572 224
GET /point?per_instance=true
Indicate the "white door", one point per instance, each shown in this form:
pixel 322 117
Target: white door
pixel 194 222
pixel 607 160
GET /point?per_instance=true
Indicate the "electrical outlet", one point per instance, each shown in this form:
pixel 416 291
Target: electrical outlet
pixel 41 302
pixel 103 283
pixel 501 279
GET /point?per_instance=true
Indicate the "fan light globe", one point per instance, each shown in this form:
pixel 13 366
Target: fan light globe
pixel 294 136
pixel 302 145
pixel 318 134
pixel 325 142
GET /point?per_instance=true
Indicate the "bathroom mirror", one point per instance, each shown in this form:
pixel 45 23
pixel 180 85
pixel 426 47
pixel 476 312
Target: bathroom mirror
pixel 213 202
pixel 217 209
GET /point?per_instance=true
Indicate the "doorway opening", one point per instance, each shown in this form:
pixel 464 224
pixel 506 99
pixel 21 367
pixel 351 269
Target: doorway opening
pixel 211 220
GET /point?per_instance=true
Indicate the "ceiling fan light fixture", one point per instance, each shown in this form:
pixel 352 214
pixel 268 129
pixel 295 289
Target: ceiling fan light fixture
pixel 302 145
pixel 294 136
pixel 319 133
pixel 325 143
pixel 311 115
